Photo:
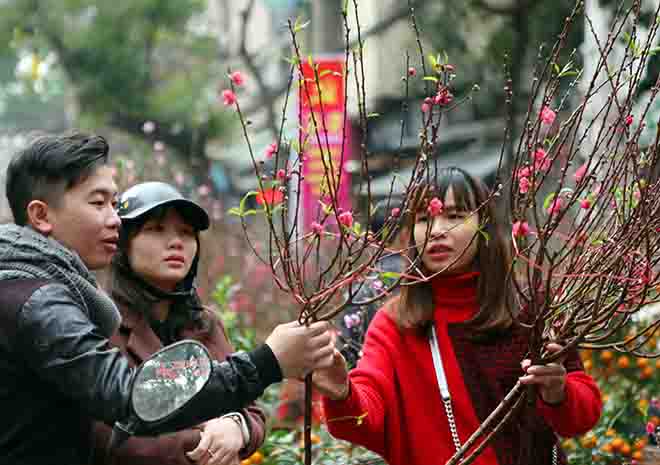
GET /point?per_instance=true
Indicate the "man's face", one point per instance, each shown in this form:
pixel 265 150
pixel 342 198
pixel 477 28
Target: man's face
pixel 85 219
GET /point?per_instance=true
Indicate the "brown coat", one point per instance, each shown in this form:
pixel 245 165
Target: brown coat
pixel 137 341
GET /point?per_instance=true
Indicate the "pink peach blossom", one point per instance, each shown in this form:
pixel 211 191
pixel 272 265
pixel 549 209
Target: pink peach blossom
pixel 435 207
pixel 579 173
pixel 412 72
pixel 523 185
pixel 270 150
pixel 556 206
pixel 585 204
pixel 395 212
pixel 541 161
pixel 228 97
pixel 523 172
pixel 547 115
pixel 237 78
pixel 629 120
pixel 520 229
pixel 346 219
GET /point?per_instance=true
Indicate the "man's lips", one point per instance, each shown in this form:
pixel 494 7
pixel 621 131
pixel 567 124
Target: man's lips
pixel 175 259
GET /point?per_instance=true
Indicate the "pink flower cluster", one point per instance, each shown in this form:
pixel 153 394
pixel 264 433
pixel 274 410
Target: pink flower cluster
pixel 229 96
pixel 520 229
pixel 442 98
pixel 547 115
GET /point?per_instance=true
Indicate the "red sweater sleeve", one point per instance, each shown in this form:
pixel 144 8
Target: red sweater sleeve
pixel 361 417
pixel 580 410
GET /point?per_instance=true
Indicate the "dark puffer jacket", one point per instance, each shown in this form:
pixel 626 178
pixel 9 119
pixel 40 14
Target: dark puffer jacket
pixel 57 371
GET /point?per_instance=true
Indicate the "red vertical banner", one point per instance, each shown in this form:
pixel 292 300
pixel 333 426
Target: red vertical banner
pixel 326 149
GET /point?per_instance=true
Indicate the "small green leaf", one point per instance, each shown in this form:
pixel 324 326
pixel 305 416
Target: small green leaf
pixel 433 61
pixel 234 211
pixel 430 78
pixel 252 211
pixel 548 200
pixel 373 115
pixel 389 275
pixel 241 207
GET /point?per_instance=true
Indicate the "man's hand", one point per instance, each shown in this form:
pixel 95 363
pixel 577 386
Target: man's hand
pixel 550 378
pixel 332 382
pixel 301 349
pixel 221 441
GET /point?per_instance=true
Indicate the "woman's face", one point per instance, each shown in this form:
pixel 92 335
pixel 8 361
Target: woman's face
pixel 162 251
pixel 452 243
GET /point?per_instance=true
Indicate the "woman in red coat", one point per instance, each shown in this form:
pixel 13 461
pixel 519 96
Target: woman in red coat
pixel 152 282
pixel 440 358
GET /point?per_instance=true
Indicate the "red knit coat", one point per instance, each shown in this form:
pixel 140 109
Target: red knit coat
pixel 394 390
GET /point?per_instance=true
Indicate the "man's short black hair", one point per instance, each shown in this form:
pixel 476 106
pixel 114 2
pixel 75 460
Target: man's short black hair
pixel 49 166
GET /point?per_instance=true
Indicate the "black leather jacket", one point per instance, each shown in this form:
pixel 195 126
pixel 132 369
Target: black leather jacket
pixel 57 372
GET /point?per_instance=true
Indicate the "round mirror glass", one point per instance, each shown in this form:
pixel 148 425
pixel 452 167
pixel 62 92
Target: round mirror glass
pixel 169 379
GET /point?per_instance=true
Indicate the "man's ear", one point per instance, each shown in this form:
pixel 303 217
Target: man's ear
pixel 38 217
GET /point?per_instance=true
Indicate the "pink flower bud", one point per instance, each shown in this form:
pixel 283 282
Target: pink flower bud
pixel 346 219
pixel 435 207
pixel 541 161
pixel 270 150
pixel 629 120
pixel 520 229
pixel 579 174
pixel 281 174
pixel 585 204
pixel 426 107
pixel 547 115
pixel 228 97
pixel 395 212
pixel 412 72
pixel 449 68
pixel 556 206
pixel 237 78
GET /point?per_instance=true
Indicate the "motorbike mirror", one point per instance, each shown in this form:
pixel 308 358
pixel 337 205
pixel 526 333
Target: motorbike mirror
pixel 169 379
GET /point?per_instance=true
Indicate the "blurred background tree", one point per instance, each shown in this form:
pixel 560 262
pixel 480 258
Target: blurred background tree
pixel 117 64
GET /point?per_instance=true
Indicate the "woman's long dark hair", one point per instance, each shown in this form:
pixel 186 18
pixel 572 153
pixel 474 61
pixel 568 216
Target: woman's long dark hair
pixel 492 260
pixel 133 292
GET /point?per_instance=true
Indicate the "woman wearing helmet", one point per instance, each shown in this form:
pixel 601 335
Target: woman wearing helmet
pixel 152 282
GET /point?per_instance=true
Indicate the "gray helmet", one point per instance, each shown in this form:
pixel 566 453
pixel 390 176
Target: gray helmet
pixel 143 198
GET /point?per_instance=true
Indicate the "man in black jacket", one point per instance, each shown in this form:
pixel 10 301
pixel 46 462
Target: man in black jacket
pixel 56 367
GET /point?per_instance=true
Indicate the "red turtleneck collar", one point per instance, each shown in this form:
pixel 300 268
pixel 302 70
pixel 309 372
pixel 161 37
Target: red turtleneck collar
pixel 455 297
